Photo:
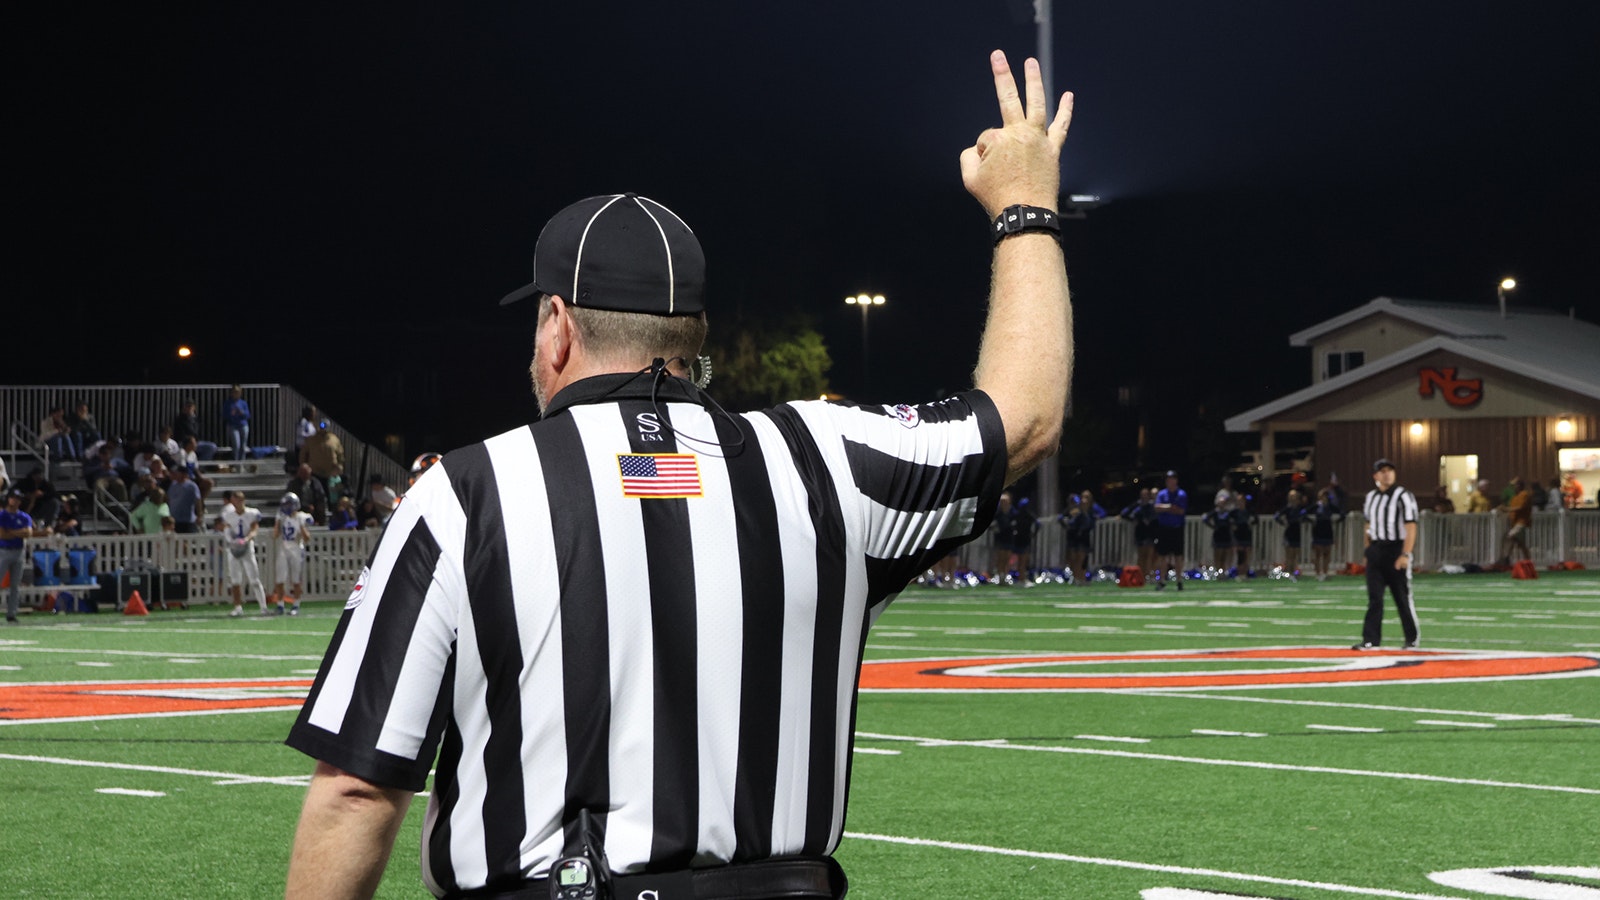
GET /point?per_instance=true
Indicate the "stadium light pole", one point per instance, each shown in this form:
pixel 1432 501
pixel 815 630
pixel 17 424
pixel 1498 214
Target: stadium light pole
pixel 866 302
pixel 1506 285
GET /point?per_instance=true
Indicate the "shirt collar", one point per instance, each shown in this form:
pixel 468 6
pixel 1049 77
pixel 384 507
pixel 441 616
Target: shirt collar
pixel 623 386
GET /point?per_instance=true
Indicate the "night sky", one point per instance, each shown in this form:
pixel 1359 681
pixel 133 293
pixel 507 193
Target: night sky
pixel 337 198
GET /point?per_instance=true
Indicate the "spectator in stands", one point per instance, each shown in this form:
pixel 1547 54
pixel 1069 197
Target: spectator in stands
pixel 1556 501
pixel 1442 503
pixel 16 526
pixel 1520 510
pixel 1220 519
pixel 108 471
pixel 383 498
pixel 1143 516
pixel 1478 497
pixel 1571 491
pixel 55 435
pixel 85 431
pixel 1244 536
pixel 167 446
pixel 1172 506
pixel 67 524
pixel 236 414
pixel 39 498
pixel 313 496
pixel 1540 498
pixel 343 517
pixel 1292 517
pixel 186 424
pixel 184 502
pixel 326 456
pixel 304 430
pixel 146 517
pixel 1324 515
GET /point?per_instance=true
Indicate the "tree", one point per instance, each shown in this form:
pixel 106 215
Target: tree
pixel 758 364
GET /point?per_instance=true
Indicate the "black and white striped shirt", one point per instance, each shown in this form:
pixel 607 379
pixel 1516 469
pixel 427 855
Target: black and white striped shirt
pixel 684 668
pixel 1387 513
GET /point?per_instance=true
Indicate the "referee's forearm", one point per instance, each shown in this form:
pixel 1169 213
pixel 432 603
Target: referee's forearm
pixel 347 828
pixel 1025 358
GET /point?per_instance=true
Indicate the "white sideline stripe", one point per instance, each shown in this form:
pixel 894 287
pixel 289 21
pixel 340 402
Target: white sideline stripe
pixel 155 715
pixel 876 751
pixel 1147 867
pixel 1240 763
pixel 1503 717
pixel 1346 728
pixel 1455 724
pixel 164 654
pixel 1110 737
pixel 1226 733
pixel 130 792
pixel 230 777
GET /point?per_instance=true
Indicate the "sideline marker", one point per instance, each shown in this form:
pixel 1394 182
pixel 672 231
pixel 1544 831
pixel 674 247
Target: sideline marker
pixel 135 606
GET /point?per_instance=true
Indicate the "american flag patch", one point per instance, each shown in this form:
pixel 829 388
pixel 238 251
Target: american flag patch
pixel 659 475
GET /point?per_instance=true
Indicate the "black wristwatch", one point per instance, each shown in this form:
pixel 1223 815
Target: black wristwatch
pixel 1018 219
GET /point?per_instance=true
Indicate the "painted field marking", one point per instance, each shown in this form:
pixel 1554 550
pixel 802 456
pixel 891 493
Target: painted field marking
pixel 1531 616
pixel 1110 738
pixel 1169 627
pixel 1455 724
pixel 1217 733
pixel 1238 698
pixel 162 653
pixel 226 777
pixel 94 664
pixel 10 668
pixel 1238 763
pixel 1147 867
pixel 1351 728
pixel 876 751
pixel 1230 624
pixel 1475 618
pixel 181 661
pixel 130 792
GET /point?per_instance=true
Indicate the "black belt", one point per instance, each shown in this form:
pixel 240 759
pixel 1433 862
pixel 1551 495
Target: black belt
pixel 777 879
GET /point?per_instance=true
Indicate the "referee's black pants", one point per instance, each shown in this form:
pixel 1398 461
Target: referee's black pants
pixel 1381 573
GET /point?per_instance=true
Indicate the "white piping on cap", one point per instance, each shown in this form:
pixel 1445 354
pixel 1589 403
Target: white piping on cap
pixel 672 283
pixel 577 264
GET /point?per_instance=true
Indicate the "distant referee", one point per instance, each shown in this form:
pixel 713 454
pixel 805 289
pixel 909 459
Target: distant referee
pixel 626 638
pixel 1391 513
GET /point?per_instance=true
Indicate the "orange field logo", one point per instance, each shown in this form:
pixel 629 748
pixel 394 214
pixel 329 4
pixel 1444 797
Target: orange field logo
pixel 81 701
pixel 1194 669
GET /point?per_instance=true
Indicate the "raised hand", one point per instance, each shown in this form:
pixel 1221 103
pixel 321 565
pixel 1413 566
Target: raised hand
pixel 1019 162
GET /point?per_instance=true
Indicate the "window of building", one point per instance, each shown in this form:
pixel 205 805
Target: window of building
pixel 1338 362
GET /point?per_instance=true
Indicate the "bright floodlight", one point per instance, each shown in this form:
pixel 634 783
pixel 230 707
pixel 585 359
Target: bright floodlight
pixel 184 352
pixel 1509 284
pixel 851 299
pixel 1564 427
pixel 1416 429
pixel 877 300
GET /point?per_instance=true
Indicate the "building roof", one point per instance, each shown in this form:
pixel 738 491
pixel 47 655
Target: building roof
pixel 1549 347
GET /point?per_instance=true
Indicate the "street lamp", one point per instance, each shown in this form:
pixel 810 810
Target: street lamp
pixel 1506 284
pixel 866 302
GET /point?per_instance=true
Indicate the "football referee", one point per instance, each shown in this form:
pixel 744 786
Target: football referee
pixel 1391 535
pixel 626 638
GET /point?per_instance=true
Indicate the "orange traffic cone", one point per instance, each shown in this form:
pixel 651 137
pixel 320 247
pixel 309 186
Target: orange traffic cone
pixel 135 606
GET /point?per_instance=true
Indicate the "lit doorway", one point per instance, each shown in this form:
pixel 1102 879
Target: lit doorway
pixel 1458 474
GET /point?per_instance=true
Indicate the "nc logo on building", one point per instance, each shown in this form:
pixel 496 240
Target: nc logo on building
pixel 1460 392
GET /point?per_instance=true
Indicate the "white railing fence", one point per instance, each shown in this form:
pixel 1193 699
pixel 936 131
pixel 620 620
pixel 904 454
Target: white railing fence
pixel 333 561
pixel 1448 539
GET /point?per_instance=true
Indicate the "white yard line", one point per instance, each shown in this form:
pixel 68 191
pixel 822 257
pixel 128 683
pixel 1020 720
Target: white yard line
pixel 228 777
pixel 162 654
pixel 1217 733
pixel 1502 717
pixel 1110 738
pixel 1456 724
pixel 1240 763
pixel 1350 728
pixel 1148 867
pixel 130 792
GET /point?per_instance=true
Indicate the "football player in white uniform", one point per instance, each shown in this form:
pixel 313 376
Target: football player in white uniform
pixel 293 531
pixel 239 526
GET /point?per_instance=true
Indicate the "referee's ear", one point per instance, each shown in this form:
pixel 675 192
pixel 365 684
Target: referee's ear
pixel 558 334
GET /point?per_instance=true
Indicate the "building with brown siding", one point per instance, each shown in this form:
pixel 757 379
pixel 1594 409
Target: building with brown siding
pixel 1450 392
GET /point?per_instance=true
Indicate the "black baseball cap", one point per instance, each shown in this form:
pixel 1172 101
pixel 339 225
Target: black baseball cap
pixel 1382 464
pixel 619 252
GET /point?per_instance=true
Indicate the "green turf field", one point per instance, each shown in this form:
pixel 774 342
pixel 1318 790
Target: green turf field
pixel 1088 742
